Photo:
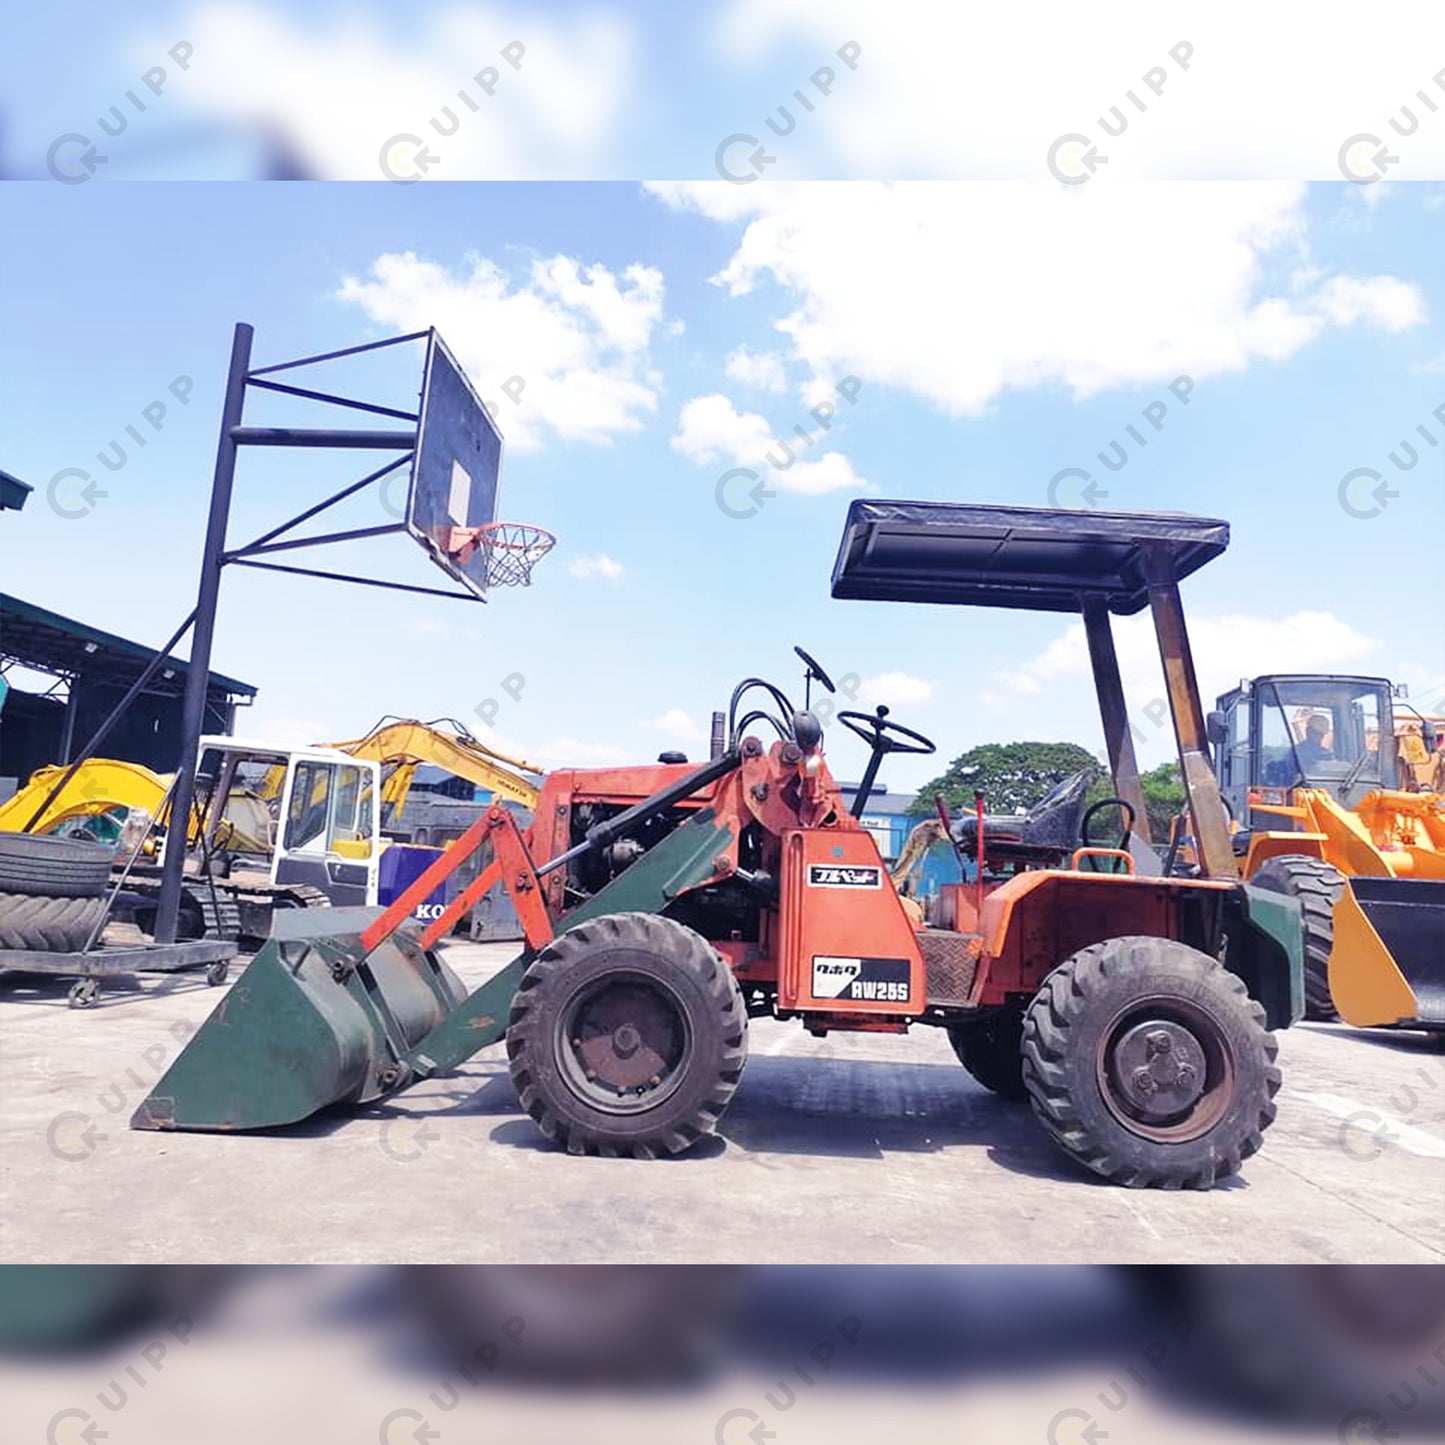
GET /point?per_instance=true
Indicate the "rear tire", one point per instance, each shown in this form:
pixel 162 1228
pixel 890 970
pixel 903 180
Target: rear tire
pixel 627 1037
pixel 991 1049
pixel 44 866
pixel 1316 887
pixel 47 925
pixel 1150 1064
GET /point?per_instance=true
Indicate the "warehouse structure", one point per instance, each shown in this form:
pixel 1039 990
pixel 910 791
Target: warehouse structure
pixel 64 678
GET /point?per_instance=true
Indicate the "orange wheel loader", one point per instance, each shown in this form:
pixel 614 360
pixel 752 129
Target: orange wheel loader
pixel 667 905
pixel 1324 787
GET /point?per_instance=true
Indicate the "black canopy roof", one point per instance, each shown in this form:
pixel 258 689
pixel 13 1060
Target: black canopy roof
pixel 1038 558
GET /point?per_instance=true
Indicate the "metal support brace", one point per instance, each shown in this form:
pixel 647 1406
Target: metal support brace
pixel 1201 787
pixel 1112 712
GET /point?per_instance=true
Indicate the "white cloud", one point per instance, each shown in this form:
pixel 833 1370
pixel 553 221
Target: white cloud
pixel 1225 648
pixel 429 626
pixel 567 751
pixel 586 568
pixel 711 429
pixel 973 291
pixel 576 338
pixel 329 91
pixel 762 369
pixel 678 724
pixel 894 689
pixel 935 91
pixel 1381 301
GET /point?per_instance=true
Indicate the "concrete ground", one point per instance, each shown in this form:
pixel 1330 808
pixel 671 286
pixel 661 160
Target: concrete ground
pixel 851 1149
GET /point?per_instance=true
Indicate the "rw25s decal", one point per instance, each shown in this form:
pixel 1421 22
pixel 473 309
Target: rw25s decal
pixel 861 980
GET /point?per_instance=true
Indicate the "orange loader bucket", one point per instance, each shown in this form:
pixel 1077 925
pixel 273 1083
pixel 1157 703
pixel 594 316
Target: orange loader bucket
pixel 1387 962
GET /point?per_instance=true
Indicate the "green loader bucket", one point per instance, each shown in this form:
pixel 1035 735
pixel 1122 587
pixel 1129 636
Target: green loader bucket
pixel 316 1020
pixel 312 1021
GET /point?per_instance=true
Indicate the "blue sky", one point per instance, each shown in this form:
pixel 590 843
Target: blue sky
pixel 998 334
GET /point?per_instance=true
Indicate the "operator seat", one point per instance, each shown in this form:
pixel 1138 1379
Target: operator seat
pixel 1047 834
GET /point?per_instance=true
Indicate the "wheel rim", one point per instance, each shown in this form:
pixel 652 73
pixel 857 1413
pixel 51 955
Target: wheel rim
pixel 1166 1069
pixel 622 1043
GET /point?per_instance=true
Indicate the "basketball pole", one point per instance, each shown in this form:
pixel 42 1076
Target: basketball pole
pixel 215 557
pixel 198 678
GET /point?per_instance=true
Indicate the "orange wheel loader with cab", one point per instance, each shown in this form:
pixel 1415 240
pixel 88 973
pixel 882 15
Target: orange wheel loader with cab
pixel 667 905
pixel 1323 780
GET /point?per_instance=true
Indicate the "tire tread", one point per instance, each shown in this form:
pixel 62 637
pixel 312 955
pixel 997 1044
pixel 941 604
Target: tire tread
pixel 1048 1041
pixel 691 952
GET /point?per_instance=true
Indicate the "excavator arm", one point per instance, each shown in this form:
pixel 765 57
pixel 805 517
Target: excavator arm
pixel 401 744
pixel 915 848
pixel 99 785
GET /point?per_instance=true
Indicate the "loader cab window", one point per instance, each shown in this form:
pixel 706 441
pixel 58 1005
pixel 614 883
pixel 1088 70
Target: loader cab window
pixel 1234 754
pixel 330 810
pixel 1322 734
pixel 348 799
pixel 310 802
pixel 350 829
pixel 242 799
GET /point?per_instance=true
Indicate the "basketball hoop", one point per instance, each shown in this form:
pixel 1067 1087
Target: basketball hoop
pixel 510 550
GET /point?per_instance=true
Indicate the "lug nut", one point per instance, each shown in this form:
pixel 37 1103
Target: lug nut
pixel 1144 1081
pixel 1159 1042
pixel 1185 1076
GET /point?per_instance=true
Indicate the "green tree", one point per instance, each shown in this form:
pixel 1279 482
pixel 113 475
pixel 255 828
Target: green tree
pixel 1011 775
pixel 1163 798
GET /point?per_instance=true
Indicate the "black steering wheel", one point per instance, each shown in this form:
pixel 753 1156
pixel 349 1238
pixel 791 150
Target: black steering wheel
pixel 878 732
pixel 1128 810
pixel 812 665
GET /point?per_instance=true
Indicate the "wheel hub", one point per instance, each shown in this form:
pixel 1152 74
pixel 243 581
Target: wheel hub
pixel 624 1042
pixel 1160 1068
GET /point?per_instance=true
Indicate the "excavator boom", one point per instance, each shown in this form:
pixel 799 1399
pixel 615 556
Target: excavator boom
pixel 402 743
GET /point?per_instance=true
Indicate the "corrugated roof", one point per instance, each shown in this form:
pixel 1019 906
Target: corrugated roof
pixel 35 637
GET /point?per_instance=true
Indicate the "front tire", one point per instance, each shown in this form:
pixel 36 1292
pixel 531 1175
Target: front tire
pixel 1316 887
pixel 1150 1064
pixel 627 1037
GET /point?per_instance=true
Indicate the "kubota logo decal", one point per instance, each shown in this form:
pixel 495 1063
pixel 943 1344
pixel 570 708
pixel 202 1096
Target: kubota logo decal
pixel 870 980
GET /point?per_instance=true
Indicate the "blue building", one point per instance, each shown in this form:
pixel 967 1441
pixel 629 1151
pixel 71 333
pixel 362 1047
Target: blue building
pixel 886 817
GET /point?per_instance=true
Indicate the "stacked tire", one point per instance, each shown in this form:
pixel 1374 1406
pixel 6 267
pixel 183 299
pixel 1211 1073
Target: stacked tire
pixel 50 892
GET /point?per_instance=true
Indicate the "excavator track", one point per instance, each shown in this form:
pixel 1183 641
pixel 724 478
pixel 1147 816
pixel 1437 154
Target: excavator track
pixel 302 895
pixel 258 904
pixel 232 911
pixel 220 913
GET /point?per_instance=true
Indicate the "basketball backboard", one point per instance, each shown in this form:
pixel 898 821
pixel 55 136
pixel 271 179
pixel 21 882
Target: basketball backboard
pixel 456 467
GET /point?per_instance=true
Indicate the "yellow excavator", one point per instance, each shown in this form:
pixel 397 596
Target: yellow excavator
pixel 910 859
pixel 273 827
pixel 1329 790
pixel 401 745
